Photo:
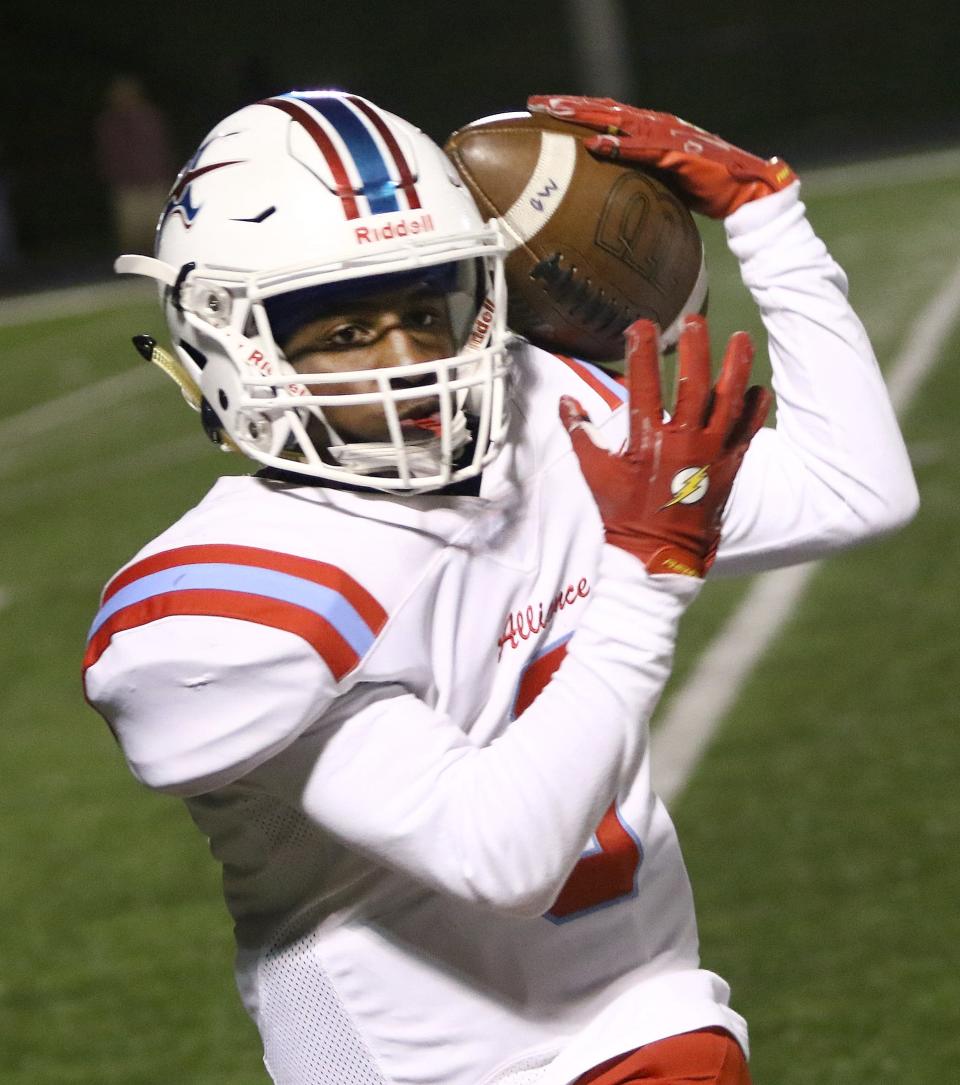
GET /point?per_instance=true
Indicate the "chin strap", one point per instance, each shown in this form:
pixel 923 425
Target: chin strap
pixel 150 350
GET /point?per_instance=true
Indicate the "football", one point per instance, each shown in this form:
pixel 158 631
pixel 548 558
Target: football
pixel 595 244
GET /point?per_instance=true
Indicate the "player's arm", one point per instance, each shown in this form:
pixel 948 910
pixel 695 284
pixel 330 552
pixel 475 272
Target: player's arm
pixel 835 471
pixel 198 700
pixel 206 660
pixel 503 825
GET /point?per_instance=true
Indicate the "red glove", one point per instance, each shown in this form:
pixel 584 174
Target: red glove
pixel 662 497
pixel 712 176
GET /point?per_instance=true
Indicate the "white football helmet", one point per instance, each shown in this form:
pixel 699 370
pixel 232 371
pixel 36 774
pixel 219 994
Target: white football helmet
pixel 311 195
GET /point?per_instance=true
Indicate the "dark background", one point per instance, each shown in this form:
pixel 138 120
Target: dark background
pixel 812 81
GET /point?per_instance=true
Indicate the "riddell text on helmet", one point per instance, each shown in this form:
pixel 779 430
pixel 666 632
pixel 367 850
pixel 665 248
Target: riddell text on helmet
pixel 423 224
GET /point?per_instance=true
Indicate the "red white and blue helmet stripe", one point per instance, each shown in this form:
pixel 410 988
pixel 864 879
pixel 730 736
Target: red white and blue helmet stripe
pixel 370 171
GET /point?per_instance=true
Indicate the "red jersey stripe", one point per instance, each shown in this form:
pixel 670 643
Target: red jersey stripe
pixel 329 576
pixel 608 396
pixel 327 149
pixel 315 630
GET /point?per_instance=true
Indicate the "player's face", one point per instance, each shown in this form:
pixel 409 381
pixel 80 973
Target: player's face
pixel 383 331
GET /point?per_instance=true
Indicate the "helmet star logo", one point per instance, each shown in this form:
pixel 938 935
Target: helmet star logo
pixel 180 200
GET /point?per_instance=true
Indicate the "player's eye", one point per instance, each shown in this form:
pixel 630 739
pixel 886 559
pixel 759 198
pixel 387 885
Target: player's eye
pixel 341 335
pixel 429 317
pixel 348 334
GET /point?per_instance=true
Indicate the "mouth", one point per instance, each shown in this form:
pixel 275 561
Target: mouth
pixel 432 424
pixel 422 416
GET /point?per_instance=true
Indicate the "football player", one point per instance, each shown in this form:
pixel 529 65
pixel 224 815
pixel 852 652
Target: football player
pixel 402 675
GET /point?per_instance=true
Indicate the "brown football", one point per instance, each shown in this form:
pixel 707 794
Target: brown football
pixel 595 244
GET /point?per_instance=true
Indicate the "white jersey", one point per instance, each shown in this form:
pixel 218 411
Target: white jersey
pixel 415 729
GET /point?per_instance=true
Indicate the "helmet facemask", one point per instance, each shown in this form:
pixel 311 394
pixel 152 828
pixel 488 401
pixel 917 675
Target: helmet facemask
pixel 276 415
pixel 231 317
pixel 427 411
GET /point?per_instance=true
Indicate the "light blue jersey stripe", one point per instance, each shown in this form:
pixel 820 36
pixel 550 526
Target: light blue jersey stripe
pixel 618 389
pixel 216 576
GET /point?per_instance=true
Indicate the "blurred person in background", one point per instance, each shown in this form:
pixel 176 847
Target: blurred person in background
pixel 8 239
pixel 135 159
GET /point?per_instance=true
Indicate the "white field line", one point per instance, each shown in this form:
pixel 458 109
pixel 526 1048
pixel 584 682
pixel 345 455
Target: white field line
pixel 695 712
pixel 71 301
pixel 37 488
pixel 43 419
pixel 48 417
pixel 882 173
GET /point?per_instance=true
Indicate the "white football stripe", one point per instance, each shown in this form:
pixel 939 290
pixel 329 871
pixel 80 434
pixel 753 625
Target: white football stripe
pixel 548 184
pixel 693 304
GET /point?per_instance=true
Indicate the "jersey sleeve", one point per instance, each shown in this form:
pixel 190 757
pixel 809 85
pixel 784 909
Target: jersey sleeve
pixel 206 660
pixel 835 470
pixel 499 825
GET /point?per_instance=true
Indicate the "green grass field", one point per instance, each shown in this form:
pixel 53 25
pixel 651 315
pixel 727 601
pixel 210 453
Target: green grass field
pixel 821 830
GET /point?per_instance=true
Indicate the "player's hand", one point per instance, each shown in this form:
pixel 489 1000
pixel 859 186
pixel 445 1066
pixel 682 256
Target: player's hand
pixel 712 176
pixel 661 498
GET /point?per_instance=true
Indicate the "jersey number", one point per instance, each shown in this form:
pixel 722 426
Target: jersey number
pixel 607 871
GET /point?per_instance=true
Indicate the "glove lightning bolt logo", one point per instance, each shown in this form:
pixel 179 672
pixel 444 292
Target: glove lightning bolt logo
pixel 688 486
